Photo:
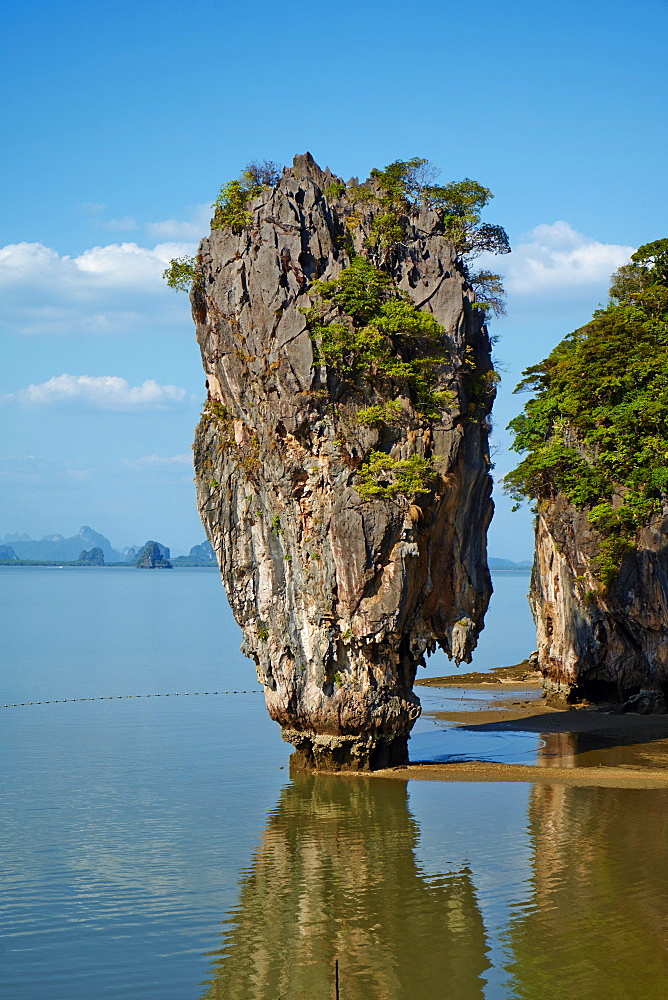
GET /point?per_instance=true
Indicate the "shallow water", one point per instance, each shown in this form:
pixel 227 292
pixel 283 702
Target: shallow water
pixel 436 740
pixel 158 846
pixel 532 892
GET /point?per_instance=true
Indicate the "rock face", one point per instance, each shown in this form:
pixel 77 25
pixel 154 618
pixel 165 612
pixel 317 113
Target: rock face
pixel 595 643
pixel 339 598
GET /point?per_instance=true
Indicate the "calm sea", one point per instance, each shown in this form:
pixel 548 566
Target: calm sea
pixel 157 846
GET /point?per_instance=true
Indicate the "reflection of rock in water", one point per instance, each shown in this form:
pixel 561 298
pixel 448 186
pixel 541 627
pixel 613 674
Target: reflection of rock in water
pixel 626 746
pixel 558 750
pixel 598 925
pixel 336 878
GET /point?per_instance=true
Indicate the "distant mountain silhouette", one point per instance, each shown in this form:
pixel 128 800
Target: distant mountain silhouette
pixel 199 555
pixel 508 564
pixel 204 552
pixel 51 548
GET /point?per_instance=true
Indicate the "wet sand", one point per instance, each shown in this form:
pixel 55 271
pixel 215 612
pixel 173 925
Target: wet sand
pixel 587 745
pixel 607 777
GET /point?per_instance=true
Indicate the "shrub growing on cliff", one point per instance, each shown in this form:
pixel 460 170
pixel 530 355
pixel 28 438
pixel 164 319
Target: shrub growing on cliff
pixel 381 413
pixel 381 336
pixel 489 292
pixel 406 185
pixel 359 289
pixel 335 190
pixel 384 478
pixel 596 429
pixel 182 273
pixel 230 207
pixel 261 173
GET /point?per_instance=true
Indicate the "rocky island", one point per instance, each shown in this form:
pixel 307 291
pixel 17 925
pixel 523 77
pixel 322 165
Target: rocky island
pixel 595 439
pixel 342 461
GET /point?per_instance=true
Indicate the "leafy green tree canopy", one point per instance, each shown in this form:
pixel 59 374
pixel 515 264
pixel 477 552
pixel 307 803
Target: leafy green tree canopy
pixel 230 207
pixel 596 429
pixel 408 184
pixel 181 273
pixel 376 327
pixel 644 282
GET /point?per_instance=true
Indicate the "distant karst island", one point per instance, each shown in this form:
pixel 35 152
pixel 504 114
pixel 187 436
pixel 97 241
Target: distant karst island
pixel 57 550
pixel 151 555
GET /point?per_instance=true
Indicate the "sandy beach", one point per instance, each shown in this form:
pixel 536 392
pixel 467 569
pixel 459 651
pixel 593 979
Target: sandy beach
pixel 583 745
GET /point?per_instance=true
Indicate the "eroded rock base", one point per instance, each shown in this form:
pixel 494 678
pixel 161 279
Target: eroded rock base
pixel 645 701
pixel 318 752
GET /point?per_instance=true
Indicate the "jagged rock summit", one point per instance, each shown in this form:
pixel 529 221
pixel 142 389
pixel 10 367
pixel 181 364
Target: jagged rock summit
pixel 342 573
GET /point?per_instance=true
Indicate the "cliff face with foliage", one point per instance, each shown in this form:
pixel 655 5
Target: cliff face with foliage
pixel 603 644
pixel 345 489
pixel 596 442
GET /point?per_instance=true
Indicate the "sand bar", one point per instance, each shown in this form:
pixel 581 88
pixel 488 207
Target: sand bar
pixel 585 745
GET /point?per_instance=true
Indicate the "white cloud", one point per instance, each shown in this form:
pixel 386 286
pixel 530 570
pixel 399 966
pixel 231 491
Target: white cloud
pixel 173 229
pixel 556 258
pixel 106 289
pixel 119 287
pixel 158 461
pixel 103 392
pixel 122 225
pixel 34 470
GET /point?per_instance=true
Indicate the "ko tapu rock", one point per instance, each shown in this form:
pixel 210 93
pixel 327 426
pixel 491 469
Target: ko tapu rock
pixel 342 462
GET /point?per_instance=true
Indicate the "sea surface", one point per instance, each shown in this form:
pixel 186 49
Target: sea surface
pixel 154 844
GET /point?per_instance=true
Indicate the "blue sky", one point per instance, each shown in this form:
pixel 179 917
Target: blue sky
pixel 120 122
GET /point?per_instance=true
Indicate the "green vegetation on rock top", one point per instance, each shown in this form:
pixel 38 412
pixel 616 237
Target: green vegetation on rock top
pixel 380 335
pixel 230 211
pixel 363 327
pixel 391 196
pixel 408 184
pixel 596 430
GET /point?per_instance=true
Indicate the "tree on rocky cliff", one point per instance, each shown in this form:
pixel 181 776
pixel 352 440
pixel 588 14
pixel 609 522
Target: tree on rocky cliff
pixel 342 458
pixel 389 197
pixel 181 273
pixel 596 428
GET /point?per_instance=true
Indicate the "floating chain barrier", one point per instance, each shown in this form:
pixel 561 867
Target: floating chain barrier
pixel 115 697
